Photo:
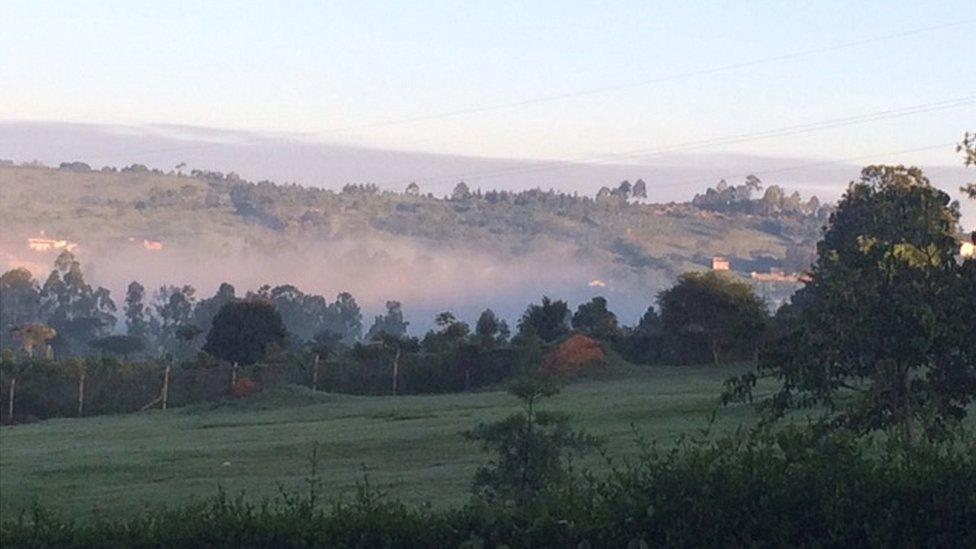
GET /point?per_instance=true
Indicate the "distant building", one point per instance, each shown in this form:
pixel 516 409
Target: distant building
pixel 777 275
pixel 967 249
pixel 49 244
pixel 720 264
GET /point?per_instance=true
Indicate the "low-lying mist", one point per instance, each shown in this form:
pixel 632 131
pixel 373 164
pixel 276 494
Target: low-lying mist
pixel 374 269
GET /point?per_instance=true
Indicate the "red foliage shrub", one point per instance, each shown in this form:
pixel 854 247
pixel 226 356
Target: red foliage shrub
pixel 244 387
pixel 578 354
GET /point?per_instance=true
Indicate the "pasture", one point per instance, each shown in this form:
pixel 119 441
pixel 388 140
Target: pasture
pixel 411 446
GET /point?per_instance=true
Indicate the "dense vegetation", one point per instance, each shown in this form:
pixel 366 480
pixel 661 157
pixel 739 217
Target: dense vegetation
pixel 641 246
pixel 878 339
pixel 794 488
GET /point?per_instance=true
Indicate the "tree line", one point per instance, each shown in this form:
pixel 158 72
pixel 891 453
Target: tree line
pixel 885 321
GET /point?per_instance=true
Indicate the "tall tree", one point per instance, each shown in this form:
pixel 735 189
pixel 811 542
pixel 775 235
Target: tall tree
pixel 712 310
pixel 639 190
pixel 20 301
pixel 391 323
pixel 78 312
pixel 548 321
pixel 174 309
pixel 453 333
pixel 490 330
pixel 206 309
pixel 244 330
pixel 347 318
pixel 137 316
pixel 882 335
pixel 594 319
pixel 461 192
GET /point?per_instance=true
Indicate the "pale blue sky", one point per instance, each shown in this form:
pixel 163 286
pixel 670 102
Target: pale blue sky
pixel 318 67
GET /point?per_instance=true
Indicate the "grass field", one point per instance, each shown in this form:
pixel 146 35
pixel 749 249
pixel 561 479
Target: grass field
pixel 412 445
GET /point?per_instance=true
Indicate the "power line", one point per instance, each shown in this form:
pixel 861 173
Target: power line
pixel 521 169
pixel 659 80
pixel 797 167
pixel 581 93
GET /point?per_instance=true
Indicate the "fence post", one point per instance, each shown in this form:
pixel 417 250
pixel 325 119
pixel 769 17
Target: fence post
pixel 315 373
pixel 81 393
pixel 165 395
pixel 396 370
pixel 10 401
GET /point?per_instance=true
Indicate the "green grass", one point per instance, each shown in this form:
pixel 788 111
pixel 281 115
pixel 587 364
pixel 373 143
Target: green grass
pixel 412 445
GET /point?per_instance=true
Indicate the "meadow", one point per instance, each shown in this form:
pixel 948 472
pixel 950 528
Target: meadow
pixel 410 446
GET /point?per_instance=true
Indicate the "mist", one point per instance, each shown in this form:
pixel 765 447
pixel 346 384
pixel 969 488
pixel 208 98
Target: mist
pixel 373 269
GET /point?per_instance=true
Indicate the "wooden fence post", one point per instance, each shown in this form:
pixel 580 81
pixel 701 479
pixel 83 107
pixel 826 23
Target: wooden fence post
pixel 10 401
pixel 396 370
pixel 315 373
pixel 81 393
pixel 165 393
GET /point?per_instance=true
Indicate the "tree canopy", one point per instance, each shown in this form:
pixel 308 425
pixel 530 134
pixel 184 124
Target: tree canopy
pixel 243 331
pixel 594 319
pixel 548 321
pixel 882 335
pixel 712 310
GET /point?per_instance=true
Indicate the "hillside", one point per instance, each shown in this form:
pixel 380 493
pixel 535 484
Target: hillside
pixel 465 251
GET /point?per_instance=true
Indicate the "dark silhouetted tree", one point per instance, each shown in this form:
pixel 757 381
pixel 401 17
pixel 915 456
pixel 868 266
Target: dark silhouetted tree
pixel 595 320
pixel 78 312
pixel 882 335
pixel 491 331
pixel 391 323
pixel 547 321
pixel 20 301
pixel 711 310
pixel 639 190
pixel 244 330
pixel 137 316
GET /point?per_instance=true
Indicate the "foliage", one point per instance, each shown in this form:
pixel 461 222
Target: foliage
pixel 595 320
pixel 78 312
pixel 733 199
pixel 882 334
pixel 712 311
pixel 490 331
pixel 547 321
pixel 391 323
pixel 244 330
pixel 137 317
pixel 529 449
pixel 794 488
pixel 453 334
pixel 968 148
pixel 120 345
pixel 644 343
pixel 20 302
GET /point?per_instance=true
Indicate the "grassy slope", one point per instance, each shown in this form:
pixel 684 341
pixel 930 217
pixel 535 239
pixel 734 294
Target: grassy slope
pixel 98 208
pixel 412 444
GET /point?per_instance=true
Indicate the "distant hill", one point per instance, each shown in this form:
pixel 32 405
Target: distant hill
pixel 469 251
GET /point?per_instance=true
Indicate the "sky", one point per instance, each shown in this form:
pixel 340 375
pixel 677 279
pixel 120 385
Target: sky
pixel 539 80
